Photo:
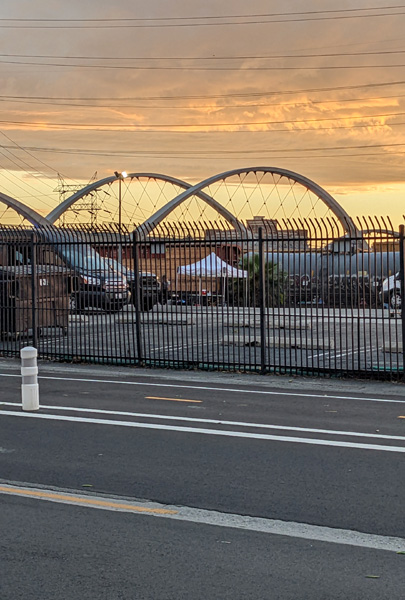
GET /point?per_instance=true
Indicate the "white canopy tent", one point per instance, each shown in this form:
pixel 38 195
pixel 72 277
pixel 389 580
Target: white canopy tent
pixel 211 266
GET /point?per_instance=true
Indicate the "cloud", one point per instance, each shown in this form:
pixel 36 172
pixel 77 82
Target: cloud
pixel 224 110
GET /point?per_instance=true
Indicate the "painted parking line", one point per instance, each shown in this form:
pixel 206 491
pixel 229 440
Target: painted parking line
pixel 215 518
pixel 333 355
pixel 203 431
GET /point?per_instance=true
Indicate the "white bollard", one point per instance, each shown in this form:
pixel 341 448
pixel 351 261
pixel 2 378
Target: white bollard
pixel 29 373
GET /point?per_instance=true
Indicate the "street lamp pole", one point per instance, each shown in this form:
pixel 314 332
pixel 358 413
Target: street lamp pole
pixel 119 205
pixel 120 177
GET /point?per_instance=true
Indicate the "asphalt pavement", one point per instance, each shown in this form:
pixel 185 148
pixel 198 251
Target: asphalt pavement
pixel 163 484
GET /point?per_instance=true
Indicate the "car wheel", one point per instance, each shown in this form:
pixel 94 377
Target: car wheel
pixel 73 304
pixel 395 300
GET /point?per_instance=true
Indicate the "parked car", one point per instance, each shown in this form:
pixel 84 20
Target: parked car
pixel 391 291
pixel 149 285
pixel 96 284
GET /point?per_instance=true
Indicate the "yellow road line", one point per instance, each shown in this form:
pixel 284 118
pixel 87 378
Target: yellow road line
pixel 172 399
pixel 86 501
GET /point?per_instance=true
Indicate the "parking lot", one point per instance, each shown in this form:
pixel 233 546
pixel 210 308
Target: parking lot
pixel 209 337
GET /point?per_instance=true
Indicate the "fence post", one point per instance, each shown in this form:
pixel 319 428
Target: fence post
pixel 137 296
pixel 402 280
pixel 262 304
pixel 34 289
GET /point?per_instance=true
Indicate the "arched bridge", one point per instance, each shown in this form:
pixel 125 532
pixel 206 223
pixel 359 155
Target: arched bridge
pixel 235 195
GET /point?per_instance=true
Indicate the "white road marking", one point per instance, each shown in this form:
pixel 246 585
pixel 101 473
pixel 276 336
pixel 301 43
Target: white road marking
pixel 208 517
pixel 169 348
pixel 214 389
pixel 330 354
pixel 218 432
pixel 211 421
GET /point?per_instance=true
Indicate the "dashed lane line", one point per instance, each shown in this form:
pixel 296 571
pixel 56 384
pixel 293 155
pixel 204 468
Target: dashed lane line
pixel 173 399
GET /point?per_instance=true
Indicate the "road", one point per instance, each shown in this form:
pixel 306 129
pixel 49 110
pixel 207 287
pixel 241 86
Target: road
pixel 167 485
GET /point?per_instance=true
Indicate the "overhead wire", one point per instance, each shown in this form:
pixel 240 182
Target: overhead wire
pixel 19 186
pixel 264 19
pixel 214 58
pixel 205 96
pixel 28 152
pixel 309 102
pixel 140 127
pixel 244 151
pixel 196 17
pixel 192 68
pixel 32 170
pixel 18 162
pixel 227 131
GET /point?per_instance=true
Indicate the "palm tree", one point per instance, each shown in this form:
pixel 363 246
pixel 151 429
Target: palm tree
pixel 247 291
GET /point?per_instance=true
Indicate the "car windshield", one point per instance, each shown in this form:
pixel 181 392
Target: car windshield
pixel 117 266
pixel 83 258
pixel 74 252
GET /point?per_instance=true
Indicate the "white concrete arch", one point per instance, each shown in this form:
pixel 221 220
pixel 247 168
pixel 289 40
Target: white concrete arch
pixel 197 189
pixel 57 212
pixel 25 211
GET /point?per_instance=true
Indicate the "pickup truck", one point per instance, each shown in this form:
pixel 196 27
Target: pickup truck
pixel 149 285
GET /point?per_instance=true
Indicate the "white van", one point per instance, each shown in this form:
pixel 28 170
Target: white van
pixel 391 291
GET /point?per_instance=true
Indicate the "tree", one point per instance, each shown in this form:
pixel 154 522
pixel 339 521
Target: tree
pixel 247 291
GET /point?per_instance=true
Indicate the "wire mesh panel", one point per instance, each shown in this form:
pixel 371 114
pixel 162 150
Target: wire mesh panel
pixel 294 296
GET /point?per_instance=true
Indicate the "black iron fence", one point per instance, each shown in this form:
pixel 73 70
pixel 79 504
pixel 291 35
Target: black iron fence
pixel 309 297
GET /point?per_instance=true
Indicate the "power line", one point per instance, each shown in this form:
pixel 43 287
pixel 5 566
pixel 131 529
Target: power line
pixel 4 169
pixel 32 171
pixel 138 127
pixel 259 154
pixel 15 145
pixel 240 16
pixel 200 152
pixel 211 21
pixel 212 96
pixel 218 106
pixel 227 132
pixel 192 68
pixel 208 58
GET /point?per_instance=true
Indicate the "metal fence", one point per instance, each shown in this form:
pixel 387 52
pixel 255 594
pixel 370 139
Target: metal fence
pixel 289 297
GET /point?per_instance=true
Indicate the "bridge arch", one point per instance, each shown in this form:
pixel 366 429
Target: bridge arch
pixel 58 211
pixel 310 185
pixel 25 211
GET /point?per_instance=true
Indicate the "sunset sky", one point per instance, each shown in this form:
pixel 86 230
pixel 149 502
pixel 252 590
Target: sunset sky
pixel 192 88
